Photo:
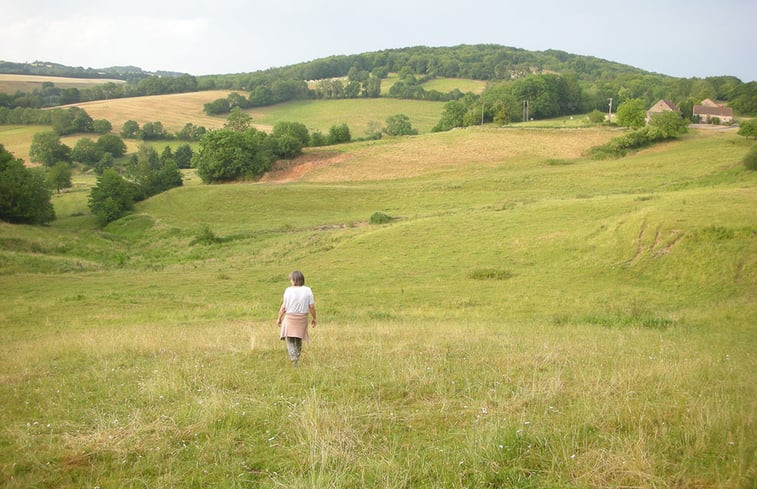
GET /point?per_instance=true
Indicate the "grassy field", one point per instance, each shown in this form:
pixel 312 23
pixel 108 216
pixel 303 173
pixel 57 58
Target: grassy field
pixel 356 113
pixel 28 83
pixel 446 85
pixel 529 319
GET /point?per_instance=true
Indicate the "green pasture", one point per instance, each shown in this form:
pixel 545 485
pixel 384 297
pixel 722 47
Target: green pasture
pixel 358 114
pixel 531 322
pixel 446 85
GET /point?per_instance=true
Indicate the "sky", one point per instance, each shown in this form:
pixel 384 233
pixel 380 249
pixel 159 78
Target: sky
pixel 682 38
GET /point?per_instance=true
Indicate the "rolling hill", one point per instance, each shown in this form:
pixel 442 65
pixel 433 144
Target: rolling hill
pixel 529 318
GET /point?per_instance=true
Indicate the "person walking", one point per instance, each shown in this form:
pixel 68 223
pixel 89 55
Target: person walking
pixel 293 315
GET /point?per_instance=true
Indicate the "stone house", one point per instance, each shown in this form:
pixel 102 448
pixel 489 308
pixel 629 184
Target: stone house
pixel 661 106
pixel 709 111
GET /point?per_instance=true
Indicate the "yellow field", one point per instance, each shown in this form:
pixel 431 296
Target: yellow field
pixel 28 83
pixel 173 111
pixel 445 152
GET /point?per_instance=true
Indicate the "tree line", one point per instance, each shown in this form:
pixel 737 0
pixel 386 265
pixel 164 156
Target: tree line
pixel 599 79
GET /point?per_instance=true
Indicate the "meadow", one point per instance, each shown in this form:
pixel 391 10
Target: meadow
pixel 529 318
pixel 358 114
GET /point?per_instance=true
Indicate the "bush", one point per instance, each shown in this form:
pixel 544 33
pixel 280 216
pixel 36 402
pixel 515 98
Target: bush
pixel 748 129
pixel 491 274
pixel 380 218
pixel 596 116
pixel 205 236
pixel 750 159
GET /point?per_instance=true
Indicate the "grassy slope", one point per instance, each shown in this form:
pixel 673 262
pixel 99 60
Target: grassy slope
pixel 613 345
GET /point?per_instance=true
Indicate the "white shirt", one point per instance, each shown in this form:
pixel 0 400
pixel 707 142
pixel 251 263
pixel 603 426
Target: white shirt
pixel 298 299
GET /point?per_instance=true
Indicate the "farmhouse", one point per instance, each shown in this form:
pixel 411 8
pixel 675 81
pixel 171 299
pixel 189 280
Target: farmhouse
pixel 710 112
pixel 661 106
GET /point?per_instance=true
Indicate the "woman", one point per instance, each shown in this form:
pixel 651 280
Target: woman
pixel 298 300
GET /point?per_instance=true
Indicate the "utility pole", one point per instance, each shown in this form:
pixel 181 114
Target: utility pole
pixel 609 112
pixel 525 111
pixel 482 115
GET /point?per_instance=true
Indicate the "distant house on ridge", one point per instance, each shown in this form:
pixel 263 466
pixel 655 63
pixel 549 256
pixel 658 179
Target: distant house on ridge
pixel 710 112
pixel 661 106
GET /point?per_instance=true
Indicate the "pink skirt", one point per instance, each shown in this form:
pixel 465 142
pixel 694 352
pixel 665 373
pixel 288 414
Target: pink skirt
pixel 295 326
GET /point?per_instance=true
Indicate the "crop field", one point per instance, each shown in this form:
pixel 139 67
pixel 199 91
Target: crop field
pixel 173 110
pixel 528 318
pixel 10 83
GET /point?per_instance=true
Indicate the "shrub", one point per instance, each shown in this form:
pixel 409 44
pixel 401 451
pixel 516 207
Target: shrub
pixel 596 116
pixel 380 218
pixel 748 129
pixel 205 236
pixel 750 159
pixel 491 274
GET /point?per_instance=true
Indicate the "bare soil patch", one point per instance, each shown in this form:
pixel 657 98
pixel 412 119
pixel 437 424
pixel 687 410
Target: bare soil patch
pixel 288 171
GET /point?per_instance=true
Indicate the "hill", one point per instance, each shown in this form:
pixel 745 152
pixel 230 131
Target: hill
pixel 529 318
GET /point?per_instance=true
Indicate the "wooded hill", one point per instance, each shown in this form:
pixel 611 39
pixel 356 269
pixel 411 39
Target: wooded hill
pixel 598 79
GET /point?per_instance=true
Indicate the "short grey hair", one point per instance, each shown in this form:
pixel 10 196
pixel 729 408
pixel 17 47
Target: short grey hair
pixel 297 277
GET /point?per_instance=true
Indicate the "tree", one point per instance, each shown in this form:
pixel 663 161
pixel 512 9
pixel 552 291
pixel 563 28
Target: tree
pixel 47 149
pixel 86 151
pixel 112 197
pixel 238 120
pixel 59 176
pixel 71 120
pixel 288 147
pixel 226 155
pixel 399 125
pixel 632 113
pixel 102 126
pixel 452 116
pixel 183 156
pixel 166 155
pixel 110 143
pixel 295 129
pixel 217 107
pixel 339 134
pixel 153 130
pixel 24 194
pixel 130 130
pixel 748 129
pixel 105 162
pixel 151 173
pixel 669 124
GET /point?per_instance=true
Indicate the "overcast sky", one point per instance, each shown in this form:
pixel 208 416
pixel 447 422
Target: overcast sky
pixel 684 38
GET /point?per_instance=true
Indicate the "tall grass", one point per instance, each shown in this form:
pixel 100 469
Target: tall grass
pixel 516 324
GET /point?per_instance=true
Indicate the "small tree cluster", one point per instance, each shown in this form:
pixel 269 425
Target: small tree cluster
pixel 151 131
pixel 147 174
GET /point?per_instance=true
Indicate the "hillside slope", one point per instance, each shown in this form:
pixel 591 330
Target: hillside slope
pixel 528 318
